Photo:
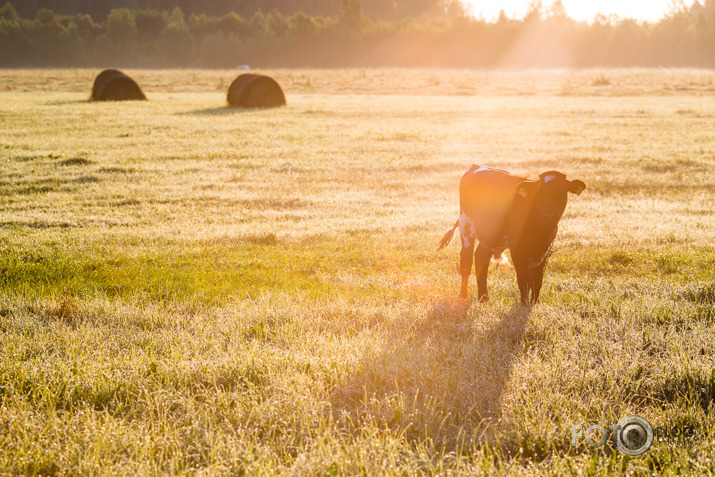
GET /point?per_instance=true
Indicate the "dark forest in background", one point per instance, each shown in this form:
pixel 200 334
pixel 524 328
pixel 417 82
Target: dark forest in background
pixel 380 10
pixel 339 33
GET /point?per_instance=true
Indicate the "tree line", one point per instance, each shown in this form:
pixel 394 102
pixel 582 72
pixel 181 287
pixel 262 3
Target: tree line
pixel 379 10
pixel 343 34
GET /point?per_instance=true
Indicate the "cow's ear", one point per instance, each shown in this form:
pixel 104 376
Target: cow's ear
pixel 576 187
pixel 526 188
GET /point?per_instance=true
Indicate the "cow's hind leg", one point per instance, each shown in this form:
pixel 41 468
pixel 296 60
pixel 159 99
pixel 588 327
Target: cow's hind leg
pixel 482 257
pixel 466 232
pixel 465 268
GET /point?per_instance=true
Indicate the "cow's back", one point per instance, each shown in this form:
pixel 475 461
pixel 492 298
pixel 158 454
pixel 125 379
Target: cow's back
pixel 485 196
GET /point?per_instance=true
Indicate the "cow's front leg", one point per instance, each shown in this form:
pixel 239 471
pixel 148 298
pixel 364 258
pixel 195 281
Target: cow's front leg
pixel 482 256
pixel 537 278
pixel 465 268
pixel 523 276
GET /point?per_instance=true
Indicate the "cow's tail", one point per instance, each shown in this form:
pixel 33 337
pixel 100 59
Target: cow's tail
pixel 448 236
pixel 499 258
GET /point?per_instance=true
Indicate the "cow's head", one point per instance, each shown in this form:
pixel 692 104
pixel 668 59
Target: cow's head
pixel 553 195
pixel 549 195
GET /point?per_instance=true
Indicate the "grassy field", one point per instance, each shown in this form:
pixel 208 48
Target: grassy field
pixel 188 288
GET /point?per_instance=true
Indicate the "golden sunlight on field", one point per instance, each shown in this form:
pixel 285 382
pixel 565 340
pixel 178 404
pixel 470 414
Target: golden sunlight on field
pixel 190 288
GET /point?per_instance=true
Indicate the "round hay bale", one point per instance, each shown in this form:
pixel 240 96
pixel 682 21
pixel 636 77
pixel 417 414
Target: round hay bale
pixel 255 91
pixel 101 79
pixel 114 85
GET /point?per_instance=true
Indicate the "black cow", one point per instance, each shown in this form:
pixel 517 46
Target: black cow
pixel 499 211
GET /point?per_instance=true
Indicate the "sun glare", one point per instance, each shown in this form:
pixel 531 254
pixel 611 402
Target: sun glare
pixel 652 10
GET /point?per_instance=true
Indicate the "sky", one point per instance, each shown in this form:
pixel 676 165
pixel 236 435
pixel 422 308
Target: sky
pixel 581 10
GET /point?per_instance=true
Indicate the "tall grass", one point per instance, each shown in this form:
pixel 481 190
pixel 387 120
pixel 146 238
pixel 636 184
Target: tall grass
pixel 186 288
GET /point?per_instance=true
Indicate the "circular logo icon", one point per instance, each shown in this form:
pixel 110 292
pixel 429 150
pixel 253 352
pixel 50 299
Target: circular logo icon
pixel 634 435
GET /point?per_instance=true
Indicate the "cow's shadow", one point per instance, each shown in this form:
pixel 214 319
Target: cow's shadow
pixel 442 378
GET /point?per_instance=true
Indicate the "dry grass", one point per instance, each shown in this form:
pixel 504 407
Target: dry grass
pixel 402 81
pixel 187 288
pixel 601 80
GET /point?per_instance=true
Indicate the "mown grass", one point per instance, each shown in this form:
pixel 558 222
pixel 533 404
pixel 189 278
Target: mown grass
pixel 186 288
